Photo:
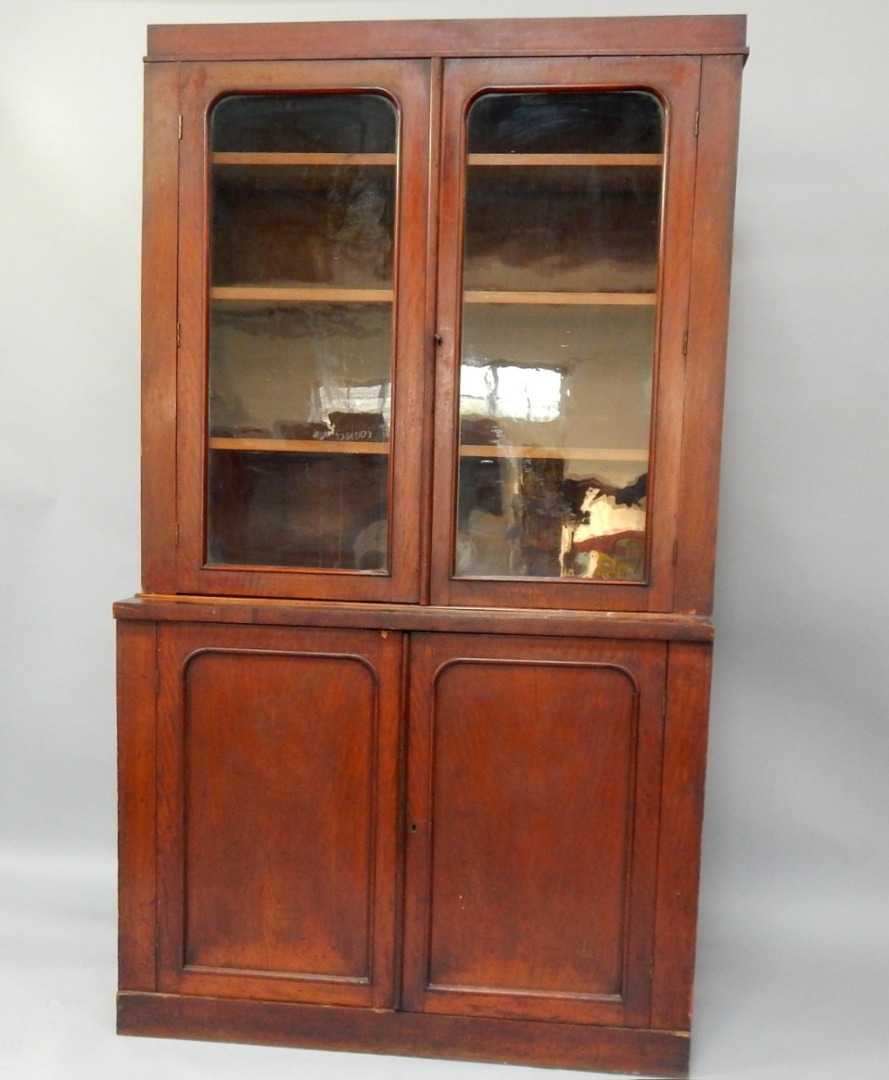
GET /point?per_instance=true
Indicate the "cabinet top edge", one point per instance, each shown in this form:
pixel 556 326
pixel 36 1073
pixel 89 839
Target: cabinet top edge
pixel 661 626
pixel 659 35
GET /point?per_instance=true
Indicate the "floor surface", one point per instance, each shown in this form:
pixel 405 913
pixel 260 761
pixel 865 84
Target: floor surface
pixel 788 1009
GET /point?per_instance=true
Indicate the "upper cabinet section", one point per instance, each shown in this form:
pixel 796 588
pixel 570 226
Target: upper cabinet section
pixel 446 326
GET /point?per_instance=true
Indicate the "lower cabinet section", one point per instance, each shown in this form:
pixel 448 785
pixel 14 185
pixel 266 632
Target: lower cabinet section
pixel 433 843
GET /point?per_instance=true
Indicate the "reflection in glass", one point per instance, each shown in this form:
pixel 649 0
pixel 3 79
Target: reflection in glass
pixel 300 330
pixel 560 268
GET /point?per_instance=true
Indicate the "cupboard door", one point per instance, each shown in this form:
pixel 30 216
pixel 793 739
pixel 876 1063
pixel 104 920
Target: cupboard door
pixel 277 816
pixel 302 208
pixel 532 820
pixel 566 208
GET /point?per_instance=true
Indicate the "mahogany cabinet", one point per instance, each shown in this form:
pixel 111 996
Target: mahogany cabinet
pixel 413 699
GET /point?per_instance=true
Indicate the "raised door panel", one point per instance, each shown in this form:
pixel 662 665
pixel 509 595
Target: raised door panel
pixel 300 377
pixel 277 817
pixel 567 193
pixel 532 827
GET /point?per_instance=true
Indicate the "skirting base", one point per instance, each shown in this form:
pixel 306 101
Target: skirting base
pixel 516 1042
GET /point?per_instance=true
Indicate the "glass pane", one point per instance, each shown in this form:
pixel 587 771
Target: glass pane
pixel 300 336
pixel 560 272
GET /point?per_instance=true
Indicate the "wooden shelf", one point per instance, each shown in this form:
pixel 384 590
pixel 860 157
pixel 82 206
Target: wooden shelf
pixel 337 446
pixel 336 294
pixel 298 294
pixel 500 160
pixel 495 296
pixel 298 446
pixel 249 158
pixel 565 160
pixel 558 452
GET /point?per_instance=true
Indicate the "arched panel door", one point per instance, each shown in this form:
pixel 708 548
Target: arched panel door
pixel 534 772
pixel 277 823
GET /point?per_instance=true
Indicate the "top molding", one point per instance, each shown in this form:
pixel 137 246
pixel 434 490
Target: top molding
pixel 662 35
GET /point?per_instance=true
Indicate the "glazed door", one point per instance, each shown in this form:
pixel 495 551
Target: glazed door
pixel 277 816
pixel 302 260
pixel 532 826
pixel 566 214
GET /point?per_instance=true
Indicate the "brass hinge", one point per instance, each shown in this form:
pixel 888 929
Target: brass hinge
pixel 685 342
pixel 697 121
pixel 178 334
pixel 180 126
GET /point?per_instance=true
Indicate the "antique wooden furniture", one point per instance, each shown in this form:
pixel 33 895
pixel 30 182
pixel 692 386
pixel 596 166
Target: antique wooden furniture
pixel 413 702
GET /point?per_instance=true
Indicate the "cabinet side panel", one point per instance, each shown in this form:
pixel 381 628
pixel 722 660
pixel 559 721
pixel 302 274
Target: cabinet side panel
pixel 685 749
pixel 159 260
pixel 136 660
pixel 708 327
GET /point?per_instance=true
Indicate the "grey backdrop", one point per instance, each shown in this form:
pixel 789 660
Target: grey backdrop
pixel 794 943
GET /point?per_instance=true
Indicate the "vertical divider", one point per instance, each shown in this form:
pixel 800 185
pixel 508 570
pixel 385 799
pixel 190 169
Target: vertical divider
pixel 431 331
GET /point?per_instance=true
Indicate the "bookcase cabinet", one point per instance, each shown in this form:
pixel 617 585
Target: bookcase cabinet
pixel 413 698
